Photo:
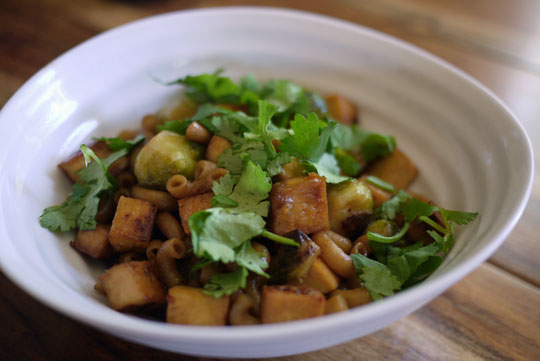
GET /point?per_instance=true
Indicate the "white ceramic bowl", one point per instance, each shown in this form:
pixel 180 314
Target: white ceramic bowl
pixel 471 151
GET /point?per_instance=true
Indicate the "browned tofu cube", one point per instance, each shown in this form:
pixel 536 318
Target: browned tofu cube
pixel 94 243
pixel 190 306
pixel 379 196
pixel 132 225
pixel 216 146
pixel 289 303
pixel 71 166
pixel 355 297
pixel 341 109
pixel 299 203
pixel 396 169
pixel 321 277
pixel 336 303
pixel 132 284
pixel 290 170
pixel 189 205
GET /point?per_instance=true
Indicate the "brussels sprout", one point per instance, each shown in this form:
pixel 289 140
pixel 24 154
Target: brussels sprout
pixel 383 227
pixel 349 206
pixel 163 156
pixel 292 263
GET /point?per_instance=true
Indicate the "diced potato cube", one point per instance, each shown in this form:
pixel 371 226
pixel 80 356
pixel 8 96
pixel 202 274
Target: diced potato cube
pixel 189 205
pixel 355 297
pixel 396 169
pixel 132 224
pixel 335 304
pixel 321 278
pixel 289 303
pixel 94 243
pixel 132 284
pixel 190 306
pixel 216 146
pixel 299 203
pixel 71 166
pixel 341 109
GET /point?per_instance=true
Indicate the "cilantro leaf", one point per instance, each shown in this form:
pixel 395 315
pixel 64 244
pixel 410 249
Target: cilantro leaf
pixel 212 88
pixel 389 209
pixel 416 208
pixel 458 217
pixel 216 232
pixel 118 143
pixel 80 209
pixel 347 163
pixel 327 167
pixel 226 283
pixel 233 159
pixel 252 260
pixel 371 145
pixel 378 278
pixel 266 111
pixel 405 264
pixel 306 143
pixel 249 192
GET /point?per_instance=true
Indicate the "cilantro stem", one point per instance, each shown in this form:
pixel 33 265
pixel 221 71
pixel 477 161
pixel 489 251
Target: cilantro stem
pixel 433 224
pixel 383 239
pixel 378 182
pixel 279 239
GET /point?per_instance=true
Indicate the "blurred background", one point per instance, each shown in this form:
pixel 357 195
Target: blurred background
pixel 493 314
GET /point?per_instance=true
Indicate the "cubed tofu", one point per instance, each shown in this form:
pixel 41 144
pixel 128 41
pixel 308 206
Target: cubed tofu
pixel 132 225
pixel 321 277
pixel 94 243
pixel 290 170
pixel 341 109
pixel 216 146
pixel 289 303
pixel 132 284
pixel 299 204
pixel 71 166
pixel 396 169
pixel 335 304
pixel 189 205
pixel 379 196
pixel 190 306
pixel 355 297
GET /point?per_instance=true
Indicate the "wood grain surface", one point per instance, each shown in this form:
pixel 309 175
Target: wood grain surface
pixel 492 314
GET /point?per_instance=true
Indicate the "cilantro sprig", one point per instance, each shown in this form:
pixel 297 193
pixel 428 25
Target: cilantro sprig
pixel 401 267
pixel 80 209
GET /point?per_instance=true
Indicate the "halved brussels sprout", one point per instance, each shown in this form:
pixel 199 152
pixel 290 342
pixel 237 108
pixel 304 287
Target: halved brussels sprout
pixel 349 206
pixel 163 156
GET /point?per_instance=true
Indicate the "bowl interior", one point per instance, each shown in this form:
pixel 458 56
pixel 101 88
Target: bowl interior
pixel 471 153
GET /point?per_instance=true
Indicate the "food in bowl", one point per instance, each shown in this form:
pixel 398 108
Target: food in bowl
pixel 251 203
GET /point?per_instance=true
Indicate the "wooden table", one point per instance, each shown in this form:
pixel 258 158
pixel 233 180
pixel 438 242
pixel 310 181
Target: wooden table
pixel 493 314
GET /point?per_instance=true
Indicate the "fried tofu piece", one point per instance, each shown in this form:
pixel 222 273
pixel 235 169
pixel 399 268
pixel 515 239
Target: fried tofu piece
pixel 335 304
pixel 290 170
pixel 341 109
pixel 299 203
pixel 289 303
pixel 94 243
pixel 379 196
pixel 216 146
pixel 189 205
pixel 355 297
pixel 396 169
pixel 132 284
pixel 321 277
pixel 71 166
pixel 190 306
pixel 132 225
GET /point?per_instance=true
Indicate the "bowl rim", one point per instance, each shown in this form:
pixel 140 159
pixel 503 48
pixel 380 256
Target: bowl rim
pixel 138 327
